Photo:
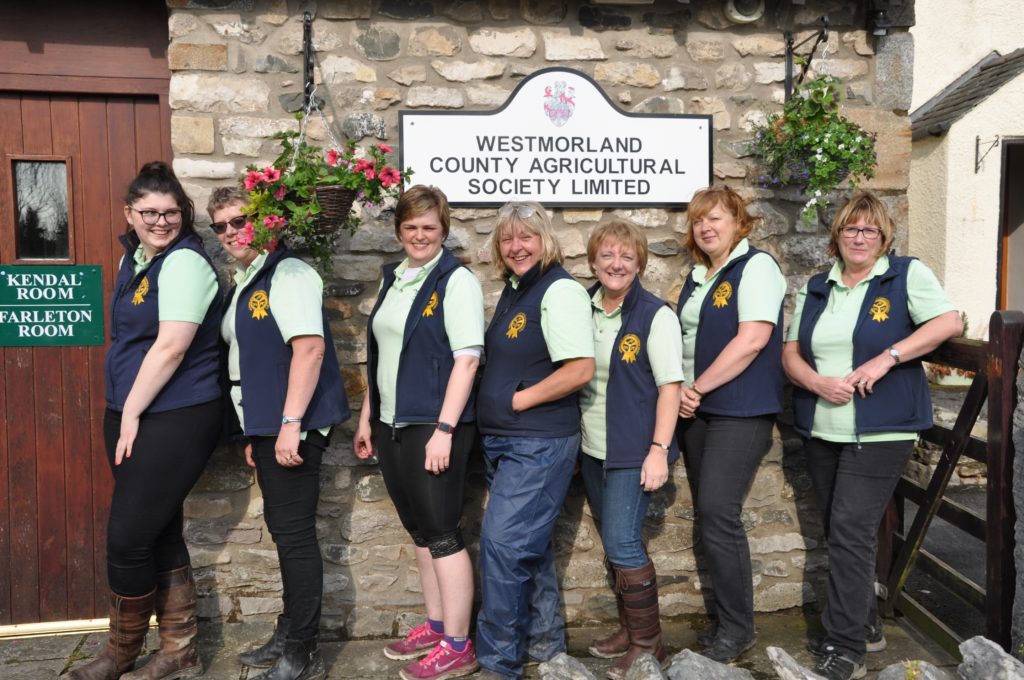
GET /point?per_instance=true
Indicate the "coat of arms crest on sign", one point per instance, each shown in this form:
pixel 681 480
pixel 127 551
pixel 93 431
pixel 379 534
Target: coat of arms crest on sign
pixel 559 102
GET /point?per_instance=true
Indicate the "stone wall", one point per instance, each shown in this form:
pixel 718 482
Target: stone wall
pixel 237 75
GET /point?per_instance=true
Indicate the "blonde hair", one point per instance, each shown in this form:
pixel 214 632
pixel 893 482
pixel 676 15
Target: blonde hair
pixel 862 204
pixel 222 197
pixel 703 202
pixel 622 232
pixel 539 223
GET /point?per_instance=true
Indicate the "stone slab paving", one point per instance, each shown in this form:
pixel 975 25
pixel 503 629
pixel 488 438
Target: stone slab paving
pixel 47 657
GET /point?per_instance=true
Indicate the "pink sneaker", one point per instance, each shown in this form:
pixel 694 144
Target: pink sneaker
pixel 443 662
pixel 417 642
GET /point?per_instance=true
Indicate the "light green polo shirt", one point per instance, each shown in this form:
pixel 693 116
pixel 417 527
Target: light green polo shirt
pixel 187 285
pixel 664 351
pixel 832 341
pixel 565 320
pixel 463 322
pixel 762 289
pixel 296 299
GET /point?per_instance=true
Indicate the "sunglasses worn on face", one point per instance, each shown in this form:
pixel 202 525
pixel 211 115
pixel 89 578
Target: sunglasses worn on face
pixel 151 217
pixel 236 223
pixel 524 212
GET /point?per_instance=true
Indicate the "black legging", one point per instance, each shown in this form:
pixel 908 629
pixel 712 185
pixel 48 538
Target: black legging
pixel 290 496
pixel 429 505
pixel 168 456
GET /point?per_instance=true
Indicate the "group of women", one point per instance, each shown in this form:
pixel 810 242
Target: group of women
pixel 610 381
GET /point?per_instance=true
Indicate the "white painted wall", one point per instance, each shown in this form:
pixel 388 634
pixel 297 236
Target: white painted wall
pixel 954 212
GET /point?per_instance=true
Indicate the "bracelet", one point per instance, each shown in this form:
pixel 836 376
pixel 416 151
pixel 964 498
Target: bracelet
pixel 660 445
pixel 694 388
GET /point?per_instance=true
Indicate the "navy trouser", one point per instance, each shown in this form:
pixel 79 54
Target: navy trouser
pixel 619 504
pixel 852 485
pixel 521 610
pixel 290 496
pixel 722 455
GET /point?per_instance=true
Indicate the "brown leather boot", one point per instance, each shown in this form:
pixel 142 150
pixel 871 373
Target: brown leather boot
pixel 639 590
pixel 616 644
pixel 129 621
pixel 178 656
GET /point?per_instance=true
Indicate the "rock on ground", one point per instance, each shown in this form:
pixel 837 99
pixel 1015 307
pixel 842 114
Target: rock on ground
pixel 564 667
pixel 787 667
pixel 919 670
pixel 687 664
pixel 985 660
pixel 646 667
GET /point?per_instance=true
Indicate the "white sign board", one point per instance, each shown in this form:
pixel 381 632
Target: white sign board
pixel 558 140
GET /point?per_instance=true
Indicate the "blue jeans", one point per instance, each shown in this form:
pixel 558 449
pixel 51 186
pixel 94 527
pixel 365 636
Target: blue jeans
pixel 620 491
pixel 528 478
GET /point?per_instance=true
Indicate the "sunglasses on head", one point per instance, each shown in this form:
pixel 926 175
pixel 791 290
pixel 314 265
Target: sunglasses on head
pixel 236 223
pixel 524 212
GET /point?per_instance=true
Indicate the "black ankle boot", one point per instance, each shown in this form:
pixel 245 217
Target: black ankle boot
pixel 271 650
pixel 301 660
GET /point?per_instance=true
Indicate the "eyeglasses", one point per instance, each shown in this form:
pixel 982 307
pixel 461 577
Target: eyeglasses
pixel 524 212
pixel 869 233
pixel 151 217
pixel 236 223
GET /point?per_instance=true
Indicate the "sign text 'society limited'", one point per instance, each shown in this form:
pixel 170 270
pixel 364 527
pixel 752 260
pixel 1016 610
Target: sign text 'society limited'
pixel 50 306
pixel 560 141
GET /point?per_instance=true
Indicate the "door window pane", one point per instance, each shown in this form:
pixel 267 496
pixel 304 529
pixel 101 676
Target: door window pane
pixel 41 210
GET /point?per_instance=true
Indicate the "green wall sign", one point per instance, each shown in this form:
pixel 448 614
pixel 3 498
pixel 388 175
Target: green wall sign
pixel 50 306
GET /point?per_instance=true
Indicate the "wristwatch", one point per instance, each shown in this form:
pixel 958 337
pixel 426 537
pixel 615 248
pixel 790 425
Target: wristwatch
pixel 446 427
pixel 894 353
pixel 288 419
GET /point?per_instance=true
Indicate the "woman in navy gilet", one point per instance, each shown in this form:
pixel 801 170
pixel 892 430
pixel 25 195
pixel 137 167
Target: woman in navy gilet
pixel 540 352
pixel 287 393
pixel 730 308
pixel 162 421
pixel 861 398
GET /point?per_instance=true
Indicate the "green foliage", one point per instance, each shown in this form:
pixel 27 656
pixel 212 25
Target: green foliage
pixel 812 145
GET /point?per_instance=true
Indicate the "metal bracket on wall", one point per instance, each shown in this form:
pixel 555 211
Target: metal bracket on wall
pixel 979 155
pixel 307 59
pixel 820 37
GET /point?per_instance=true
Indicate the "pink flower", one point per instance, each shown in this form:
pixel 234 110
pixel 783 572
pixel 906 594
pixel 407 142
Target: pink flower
pixel 280 193
pixel 385 148
pixel 332 157
pixel 273 222
pixel 271 246
pixel 271 174
pixel 247 235
pixel 252 179
pixel 369 173
pixel 362 164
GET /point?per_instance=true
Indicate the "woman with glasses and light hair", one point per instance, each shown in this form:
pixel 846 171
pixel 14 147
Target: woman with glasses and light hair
pixel 425 337
pixel 861 398
pixel 162 421
pixel 629 408
pixel 540 352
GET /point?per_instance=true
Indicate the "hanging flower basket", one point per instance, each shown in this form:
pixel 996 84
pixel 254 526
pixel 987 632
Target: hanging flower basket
pixel 335 205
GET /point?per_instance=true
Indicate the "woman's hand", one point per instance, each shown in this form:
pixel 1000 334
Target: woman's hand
pixel 438 452
pixel 362 442
pixel 286 450
pixel 864 377
pixel 125 441
pixel 689 402
pixel 654 471
pixel 833 390
pixel 248 455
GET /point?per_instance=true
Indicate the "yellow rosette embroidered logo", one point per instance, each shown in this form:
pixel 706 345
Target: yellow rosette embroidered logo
pixel 880 309
pixel 517 324
pixel 629 346
pixel 140 292
pixel 258 304
pixel 431 305
pixel 722 294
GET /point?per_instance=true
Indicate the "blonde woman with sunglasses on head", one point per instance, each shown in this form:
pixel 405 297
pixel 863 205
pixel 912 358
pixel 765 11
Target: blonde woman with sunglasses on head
pixel 861 397
pixel 540 352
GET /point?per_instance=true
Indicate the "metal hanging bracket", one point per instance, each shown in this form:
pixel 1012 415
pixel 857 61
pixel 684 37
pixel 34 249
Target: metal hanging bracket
pixel 791 48
pixel 307 59
pixel 979 155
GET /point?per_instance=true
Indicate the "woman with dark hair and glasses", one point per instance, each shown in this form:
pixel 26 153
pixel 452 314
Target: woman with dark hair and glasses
pixel 540 352
pixel 162 421
pixel 425 338
pixel 861 398
pixel 287 393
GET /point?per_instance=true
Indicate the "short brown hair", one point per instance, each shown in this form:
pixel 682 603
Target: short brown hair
pixel 703 202
pixel 538 223
pixel 622 232
pixel 419 200
pixel 222 197
pixel 862 204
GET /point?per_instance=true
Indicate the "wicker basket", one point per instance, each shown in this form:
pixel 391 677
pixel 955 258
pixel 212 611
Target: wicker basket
pixel 335 204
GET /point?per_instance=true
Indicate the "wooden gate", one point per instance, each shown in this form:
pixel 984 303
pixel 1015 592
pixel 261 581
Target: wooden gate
pixel 83 85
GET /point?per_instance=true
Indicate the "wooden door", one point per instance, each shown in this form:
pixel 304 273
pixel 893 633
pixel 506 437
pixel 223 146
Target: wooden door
pixel 55 482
